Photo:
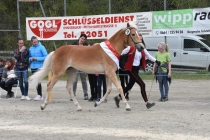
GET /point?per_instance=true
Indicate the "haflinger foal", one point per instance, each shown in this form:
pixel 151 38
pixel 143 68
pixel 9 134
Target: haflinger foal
pixel 102 58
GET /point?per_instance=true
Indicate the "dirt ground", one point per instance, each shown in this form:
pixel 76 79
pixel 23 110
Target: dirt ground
pixel 186 116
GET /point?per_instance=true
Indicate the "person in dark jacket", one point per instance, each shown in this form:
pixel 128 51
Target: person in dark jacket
pixel 37 55
pixel 21 68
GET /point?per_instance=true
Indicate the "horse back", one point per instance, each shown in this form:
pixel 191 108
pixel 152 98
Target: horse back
pixel 84 58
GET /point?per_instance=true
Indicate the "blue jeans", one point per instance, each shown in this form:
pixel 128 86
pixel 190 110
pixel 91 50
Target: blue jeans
pixel 163 85
pixel 101 79
pixel 22 74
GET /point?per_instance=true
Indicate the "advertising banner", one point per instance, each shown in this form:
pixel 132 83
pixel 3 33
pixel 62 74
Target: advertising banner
pixel 181 22
pixel 157 23
pixel 96 27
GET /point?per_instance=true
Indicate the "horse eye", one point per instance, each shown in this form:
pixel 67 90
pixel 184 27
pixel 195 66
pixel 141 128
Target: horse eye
pixel 133 34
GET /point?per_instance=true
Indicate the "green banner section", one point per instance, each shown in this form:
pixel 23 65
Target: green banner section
pixel 172 19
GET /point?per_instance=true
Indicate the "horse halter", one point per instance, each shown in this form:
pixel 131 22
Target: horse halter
pixel 128 32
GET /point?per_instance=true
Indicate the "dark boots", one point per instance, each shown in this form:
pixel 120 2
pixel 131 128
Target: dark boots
pixel 10 95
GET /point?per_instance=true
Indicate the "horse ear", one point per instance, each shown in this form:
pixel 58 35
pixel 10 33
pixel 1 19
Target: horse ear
pixel 128 25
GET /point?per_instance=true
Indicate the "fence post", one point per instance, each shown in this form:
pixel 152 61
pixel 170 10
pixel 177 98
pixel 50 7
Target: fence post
pixel 50 95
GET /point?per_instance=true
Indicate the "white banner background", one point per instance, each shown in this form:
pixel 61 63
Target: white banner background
pixel 104 26
pixel 96 27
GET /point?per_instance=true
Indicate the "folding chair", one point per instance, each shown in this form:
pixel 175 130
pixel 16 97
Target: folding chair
pixel 16 86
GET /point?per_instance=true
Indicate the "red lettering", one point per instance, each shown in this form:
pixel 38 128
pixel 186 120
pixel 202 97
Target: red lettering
pixel 74 22
pixel 88 34
pixel 126 18
pixel 79 21
pixel 99 33
pixel 102 20
pixel 69 21
pixel 105 32
pixel 89 21
pixel 131 17
pixel 65 34
pixel 93 20
pixel 121 19
pixel 107 19
pixel 64 21
pixel 98 20
pixel 94 34
pixel 115 19
pixel 69 35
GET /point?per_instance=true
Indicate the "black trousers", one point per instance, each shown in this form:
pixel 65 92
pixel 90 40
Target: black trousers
pixel 135 78
pixel 93 85
pixel 8 85
pixel 39 86
pixel 123 75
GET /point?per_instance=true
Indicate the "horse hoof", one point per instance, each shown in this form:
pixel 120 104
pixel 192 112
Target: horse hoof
pixel 95 104
pixel 128 109
pixel 42 108
pixel 79 110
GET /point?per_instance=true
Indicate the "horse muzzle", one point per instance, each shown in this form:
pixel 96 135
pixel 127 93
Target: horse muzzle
pixel 139 47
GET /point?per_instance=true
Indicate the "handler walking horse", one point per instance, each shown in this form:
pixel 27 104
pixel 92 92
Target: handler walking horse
pixel 99 58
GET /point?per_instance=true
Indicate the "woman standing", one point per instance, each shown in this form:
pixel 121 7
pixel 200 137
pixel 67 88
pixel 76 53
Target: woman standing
pixel 82 41
pixel 21 68
pixel 163 72
pixel 37 55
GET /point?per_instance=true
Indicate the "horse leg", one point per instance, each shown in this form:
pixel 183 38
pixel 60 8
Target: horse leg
pixel 50 85
pixel 71 73
pixel 109 89
pixel 114 79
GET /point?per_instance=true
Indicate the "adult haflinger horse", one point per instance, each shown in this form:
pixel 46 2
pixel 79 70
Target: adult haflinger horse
pixel 99 58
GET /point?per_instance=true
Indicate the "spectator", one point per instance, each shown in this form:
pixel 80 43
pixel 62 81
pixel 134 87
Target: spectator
pixel 21 68
pixel 9 77
pixel 1 67
pixel 37 55
pixel 163 72
pixel 92 78
pixel 101 80
pixel 93 87
pixel 82 42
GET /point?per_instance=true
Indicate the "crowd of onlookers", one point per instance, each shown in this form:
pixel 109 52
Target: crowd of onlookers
pixel 15 71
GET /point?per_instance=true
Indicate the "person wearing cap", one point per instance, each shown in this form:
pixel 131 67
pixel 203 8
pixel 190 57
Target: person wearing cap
pixel 163 71
pixel 81 42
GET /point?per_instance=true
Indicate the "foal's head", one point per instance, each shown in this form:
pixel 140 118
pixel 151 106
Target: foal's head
pixel 134 38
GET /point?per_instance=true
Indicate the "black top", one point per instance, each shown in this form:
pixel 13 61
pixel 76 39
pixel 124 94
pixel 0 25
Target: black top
pixel 22 58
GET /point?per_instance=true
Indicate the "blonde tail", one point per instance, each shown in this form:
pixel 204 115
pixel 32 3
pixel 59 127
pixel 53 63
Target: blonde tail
pixel 41 73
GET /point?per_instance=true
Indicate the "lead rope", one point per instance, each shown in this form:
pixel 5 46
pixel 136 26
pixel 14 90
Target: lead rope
pixel 151 87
